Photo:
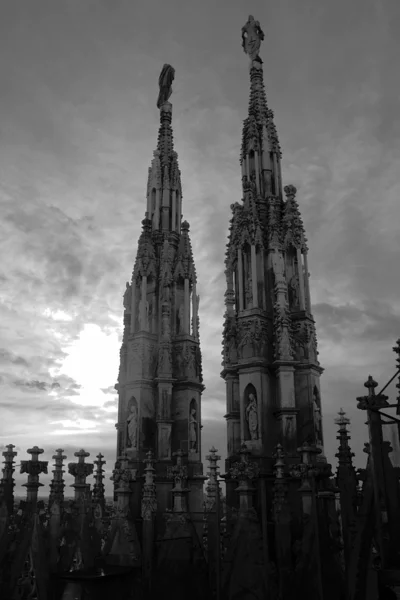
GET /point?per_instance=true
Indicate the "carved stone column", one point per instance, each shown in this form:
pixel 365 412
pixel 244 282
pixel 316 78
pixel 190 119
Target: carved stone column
pixel 143 324
pixel 257 169
pixel 98 488
pixel 254 276
pixel 133 305
pixel 307 283
pixel 301 279
pixel 186 306
pixel 157 210
pixel 240 276
pixel 194 310
pixel 173 212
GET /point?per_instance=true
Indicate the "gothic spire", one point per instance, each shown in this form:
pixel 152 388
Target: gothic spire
pixel 260 152
pixel 164 190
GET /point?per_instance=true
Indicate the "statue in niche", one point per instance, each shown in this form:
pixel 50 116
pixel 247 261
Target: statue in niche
pixel 252 416
pixel 181 319
pixel 252 36
pixel 249 292
pixel 190 361
pixel 294 290
pixel 132 423
pixel 165 80
pixel 192 428
pixel 128 297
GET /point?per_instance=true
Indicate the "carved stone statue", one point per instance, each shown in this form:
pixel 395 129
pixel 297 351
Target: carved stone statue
pixel 252 36
pixel 128 297
pixel 252 417
pixel 132 422
pixel 165 80
pixel 193 429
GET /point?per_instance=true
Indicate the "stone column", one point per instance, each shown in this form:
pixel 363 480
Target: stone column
pixel 257 168
pixel 178 473
pixel 194 310
pixel 307 283
pixel 186 306
pixel 33 467
pixel 240 276
pixel 142 326
pixel 248 166
pixel 173 213
pixel 301 279
pixel 264 297
pixel 254 276
pixel 179 209
pixel 157 210
pixel 133 305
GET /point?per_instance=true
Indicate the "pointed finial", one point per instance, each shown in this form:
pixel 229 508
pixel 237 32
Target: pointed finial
pixel 290 191
pixel 342 421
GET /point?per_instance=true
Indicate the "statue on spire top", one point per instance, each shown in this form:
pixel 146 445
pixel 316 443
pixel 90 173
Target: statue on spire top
pixel 252 36
pixel 165 80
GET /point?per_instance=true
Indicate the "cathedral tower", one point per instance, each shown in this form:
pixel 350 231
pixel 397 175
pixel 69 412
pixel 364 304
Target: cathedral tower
pixel 270 358
pixel 160 375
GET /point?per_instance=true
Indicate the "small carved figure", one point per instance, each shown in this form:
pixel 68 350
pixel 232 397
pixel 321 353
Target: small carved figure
pixel 165 80
pixel 193 429
pixel 132 425
pixel 252 417
pixel 252 36
pixel 128 297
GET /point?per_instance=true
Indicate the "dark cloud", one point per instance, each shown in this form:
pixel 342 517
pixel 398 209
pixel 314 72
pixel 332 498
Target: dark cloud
pixel 10 357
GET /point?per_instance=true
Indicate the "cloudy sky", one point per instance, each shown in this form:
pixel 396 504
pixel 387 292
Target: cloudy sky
pixel 78 125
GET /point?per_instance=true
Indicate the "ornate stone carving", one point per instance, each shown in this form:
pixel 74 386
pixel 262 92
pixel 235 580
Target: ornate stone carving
pixel 252 36
pixel 165 80
pixel 190 361
pixel 305 340
pixel 283 343
pixel 253 337
pixel 149 499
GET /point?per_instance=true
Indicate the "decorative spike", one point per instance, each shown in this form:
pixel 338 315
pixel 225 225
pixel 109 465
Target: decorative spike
pixel 33 467
pixel 149 499
pixel 57 484
pixel 7 478
pixel 80 471
pixel 212 484
pixel 372 400
pixel 178 473
pixel 98 488
pixel 344 453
